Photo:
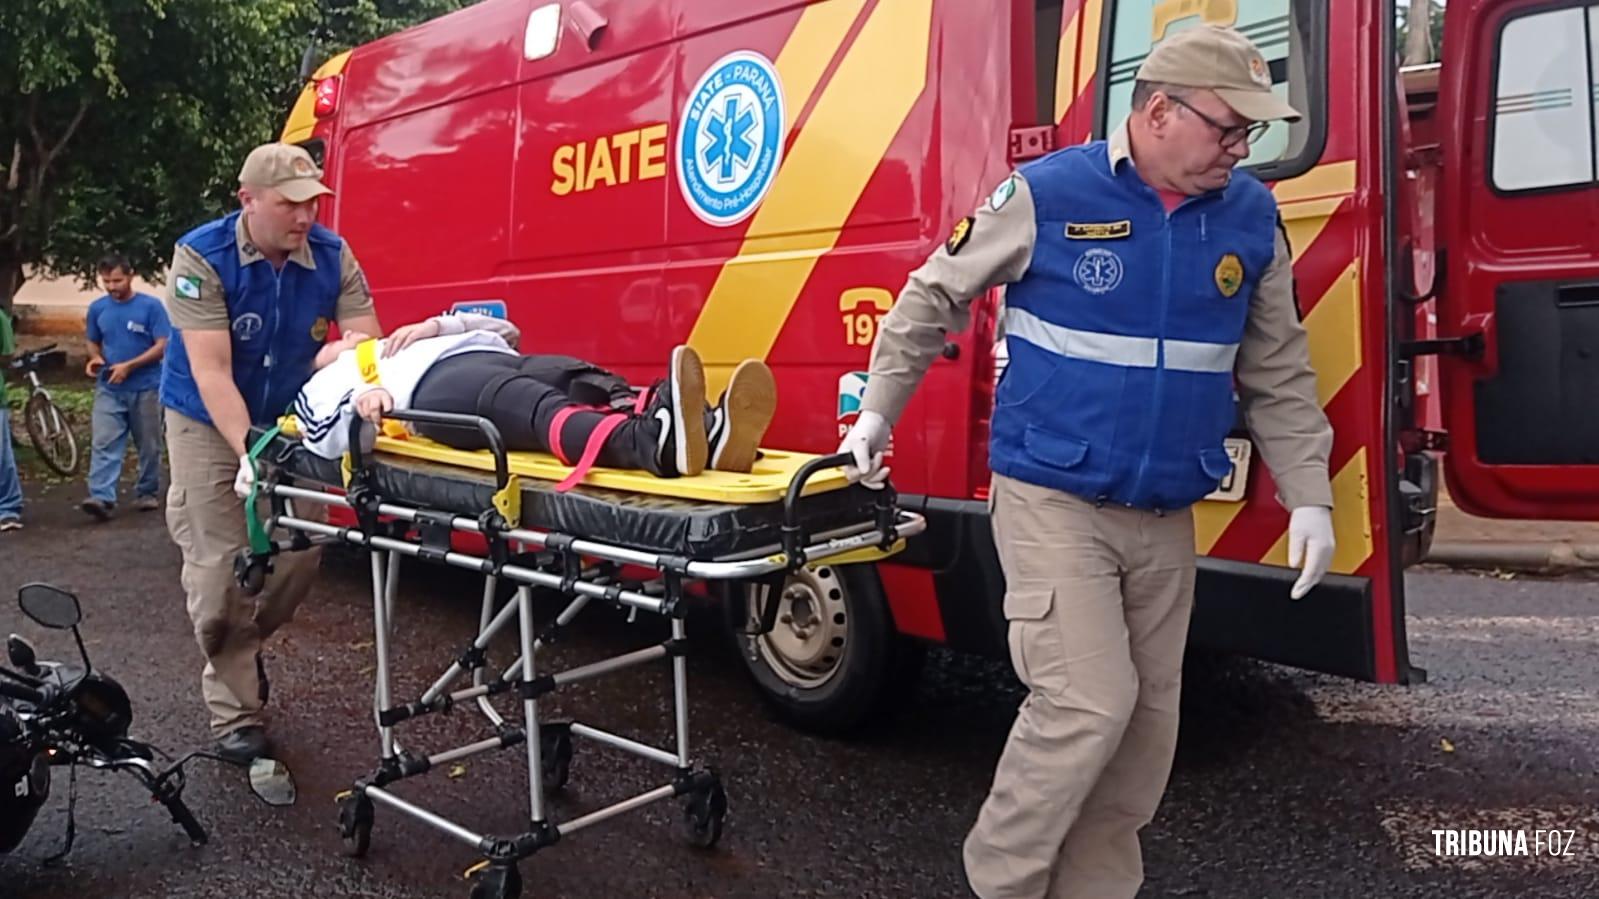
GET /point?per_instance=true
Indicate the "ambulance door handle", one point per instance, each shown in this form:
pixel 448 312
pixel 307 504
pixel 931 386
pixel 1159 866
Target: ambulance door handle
pixel 588 23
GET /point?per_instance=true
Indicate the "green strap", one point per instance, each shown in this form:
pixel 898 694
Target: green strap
pixel 260 540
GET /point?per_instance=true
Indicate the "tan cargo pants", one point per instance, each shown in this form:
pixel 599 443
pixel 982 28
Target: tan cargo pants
pixel 1098 600
pixel 206 520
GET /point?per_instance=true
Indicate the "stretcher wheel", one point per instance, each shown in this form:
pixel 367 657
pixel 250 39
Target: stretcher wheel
pixel 555 757
pixel 497 882
pixel 355 824
pixel 703 815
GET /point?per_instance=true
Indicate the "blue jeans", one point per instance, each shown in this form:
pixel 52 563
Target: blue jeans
pixel 10 484
pixel 116 416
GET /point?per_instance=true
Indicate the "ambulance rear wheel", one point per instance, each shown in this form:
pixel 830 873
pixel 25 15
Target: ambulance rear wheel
pixel 833 659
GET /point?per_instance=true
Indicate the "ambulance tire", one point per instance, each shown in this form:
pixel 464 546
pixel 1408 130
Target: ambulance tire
pixel 878 666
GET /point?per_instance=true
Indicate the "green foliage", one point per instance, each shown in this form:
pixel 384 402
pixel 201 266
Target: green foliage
pixel 123 122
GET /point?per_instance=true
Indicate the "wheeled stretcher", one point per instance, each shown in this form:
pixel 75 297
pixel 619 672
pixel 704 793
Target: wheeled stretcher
pixel 411 497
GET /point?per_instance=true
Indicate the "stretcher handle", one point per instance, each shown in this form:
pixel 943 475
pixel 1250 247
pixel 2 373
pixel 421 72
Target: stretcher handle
pixel 806 471
pixel 502 465
pixel 797 487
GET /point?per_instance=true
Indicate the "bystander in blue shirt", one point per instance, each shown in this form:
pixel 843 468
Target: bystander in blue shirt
pixel 127 333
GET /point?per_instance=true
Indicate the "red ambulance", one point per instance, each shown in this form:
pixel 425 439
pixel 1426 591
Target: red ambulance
pixel 757 177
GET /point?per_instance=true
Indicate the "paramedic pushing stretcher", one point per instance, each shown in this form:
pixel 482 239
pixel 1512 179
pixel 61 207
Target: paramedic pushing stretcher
pixel 467 364
pixel 251 296
pixel 1146 278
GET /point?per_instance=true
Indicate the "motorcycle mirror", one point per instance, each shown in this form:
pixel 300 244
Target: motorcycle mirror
pixel 271 781
pixel 21 653
pixel 50 606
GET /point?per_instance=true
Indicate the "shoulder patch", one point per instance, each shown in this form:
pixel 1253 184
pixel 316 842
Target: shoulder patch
pixel 186 287
pixel 959 236
pixel 1002 194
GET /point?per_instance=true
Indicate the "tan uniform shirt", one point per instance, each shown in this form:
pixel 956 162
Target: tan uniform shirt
pixel 1276 386
pixel 210 312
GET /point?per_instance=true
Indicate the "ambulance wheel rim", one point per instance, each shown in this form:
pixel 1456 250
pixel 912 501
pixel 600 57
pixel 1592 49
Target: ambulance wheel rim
pixel 806 645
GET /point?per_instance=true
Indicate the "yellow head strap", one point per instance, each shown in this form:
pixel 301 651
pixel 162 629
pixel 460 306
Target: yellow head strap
pixel 366 357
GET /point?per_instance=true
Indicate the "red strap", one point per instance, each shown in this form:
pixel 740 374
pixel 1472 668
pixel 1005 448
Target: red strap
pixel 643 400
pixel 558 424
pixel 591 452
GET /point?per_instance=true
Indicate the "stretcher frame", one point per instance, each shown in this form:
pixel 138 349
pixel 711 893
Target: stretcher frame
pixel 583 568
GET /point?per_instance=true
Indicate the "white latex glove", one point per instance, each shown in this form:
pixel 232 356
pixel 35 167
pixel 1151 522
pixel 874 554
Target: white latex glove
pixel 1310 546
pixel 866 441
pixel 245 479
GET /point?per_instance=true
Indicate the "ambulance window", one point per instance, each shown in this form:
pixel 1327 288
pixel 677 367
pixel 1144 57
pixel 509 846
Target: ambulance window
pixel 543 32
pixel 317 149
pixel 1046 54
pixel 1291 35
pixel 1544 95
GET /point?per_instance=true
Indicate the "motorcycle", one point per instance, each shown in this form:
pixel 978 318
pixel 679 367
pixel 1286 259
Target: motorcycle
pixel 54 714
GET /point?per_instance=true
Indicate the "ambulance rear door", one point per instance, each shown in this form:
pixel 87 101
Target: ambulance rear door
pixel 1519 306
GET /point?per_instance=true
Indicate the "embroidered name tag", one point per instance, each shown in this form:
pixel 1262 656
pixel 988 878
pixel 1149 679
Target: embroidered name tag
pixel 1099 230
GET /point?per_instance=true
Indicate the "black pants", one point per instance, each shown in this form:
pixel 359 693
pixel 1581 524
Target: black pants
pixel 522 395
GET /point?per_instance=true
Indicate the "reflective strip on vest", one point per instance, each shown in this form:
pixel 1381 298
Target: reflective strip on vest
pixel 1117 349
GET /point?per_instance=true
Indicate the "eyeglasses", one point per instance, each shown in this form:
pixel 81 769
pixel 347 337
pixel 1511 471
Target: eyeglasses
pixel 1229 135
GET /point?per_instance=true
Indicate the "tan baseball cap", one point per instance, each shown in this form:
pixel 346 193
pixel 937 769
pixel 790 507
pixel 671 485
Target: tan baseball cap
pixel 1221 60
pixel 286 167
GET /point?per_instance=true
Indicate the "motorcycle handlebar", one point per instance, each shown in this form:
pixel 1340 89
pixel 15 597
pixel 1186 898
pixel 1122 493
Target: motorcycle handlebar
pixel 22 691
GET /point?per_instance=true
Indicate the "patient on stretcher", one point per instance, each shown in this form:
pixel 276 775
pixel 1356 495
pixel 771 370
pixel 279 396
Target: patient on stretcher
pixel 467 364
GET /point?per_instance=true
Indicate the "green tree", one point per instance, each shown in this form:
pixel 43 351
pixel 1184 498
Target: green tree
pixel 123 122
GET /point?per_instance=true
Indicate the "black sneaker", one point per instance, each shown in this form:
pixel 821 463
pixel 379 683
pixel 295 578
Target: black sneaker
pixel 675 415
pixel 99 509
pixel 244 745
pixel 741 416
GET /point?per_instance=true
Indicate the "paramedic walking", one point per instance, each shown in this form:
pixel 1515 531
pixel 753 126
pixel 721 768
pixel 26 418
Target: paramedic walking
pixel 251 297
pixel 1146 279
pixel 127 334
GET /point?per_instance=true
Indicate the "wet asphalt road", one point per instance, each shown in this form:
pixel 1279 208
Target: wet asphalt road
pixel 1285 785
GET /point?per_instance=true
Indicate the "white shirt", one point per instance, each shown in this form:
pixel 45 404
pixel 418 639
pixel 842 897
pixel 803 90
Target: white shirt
pixel 326 404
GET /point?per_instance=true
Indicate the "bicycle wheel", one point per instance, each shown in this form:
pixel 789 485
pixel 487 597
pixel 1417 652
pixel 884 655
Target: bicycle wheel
pixel 50 434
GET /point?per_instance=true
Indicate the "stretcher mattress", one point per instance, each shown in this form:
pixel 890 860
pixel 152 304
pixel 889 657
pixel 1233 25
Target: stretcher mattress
pixel 734 524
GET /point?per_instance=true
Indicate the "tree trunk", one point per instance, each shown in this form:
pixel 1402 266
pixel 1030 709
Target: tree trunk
pixel 11 279
pixel 1418 30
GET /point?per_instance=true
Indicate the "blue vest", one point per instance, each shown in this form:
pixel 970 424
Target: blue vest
pixel 279 321
pixel 1123 331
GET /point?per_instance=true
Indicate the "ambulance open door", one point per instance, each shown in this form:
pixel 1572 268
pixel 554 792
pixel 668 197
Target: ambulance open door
pixel 1518 318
